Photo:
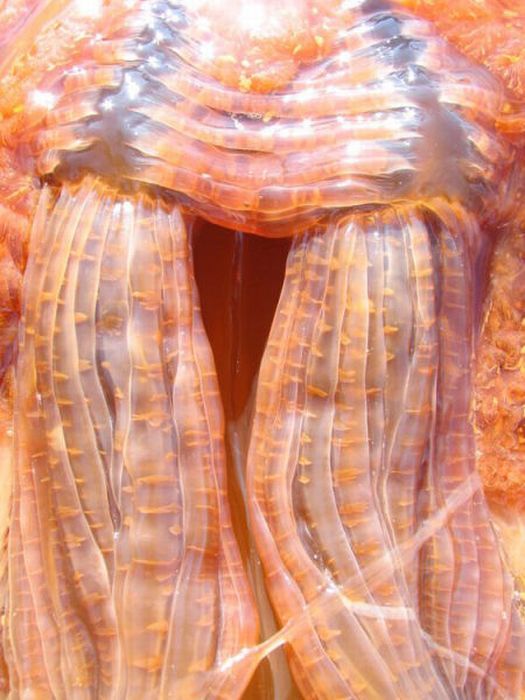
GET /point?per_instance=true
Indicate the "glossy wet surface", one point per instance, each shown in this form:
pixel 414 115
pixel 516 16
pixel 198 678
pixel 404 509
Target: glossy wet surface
pixel 249 465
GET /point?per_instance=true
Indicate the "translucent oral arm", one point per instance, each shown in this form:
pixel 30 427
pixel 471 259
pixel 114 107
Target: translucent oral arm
pixel 126 579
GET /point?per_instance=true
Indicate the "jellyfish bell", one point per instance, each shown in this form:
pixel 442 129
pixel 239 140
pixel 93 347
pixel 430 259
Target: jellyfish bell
pixel 251 241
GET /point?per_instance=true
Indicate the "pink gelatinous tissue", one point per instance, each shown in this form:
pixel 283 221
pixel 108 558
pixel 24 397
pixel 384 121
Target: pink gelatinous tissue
pixel 261 338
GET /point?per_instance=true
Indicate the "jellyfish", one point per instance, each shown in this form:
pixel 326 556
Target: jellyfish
pixel 262 349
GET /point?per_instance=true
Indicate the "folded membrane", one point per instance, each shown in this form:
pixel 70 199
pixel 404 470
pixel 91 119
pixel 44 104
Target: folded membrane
pixel 134 577
pixel 370 523
pixel 383 110
pixel 361 433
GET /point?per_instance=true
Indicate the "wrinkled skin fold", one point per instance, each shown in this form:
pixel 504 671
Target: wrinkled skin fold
pixel 361 435
pixel 119 431
pixel 291 488
pixel 364 503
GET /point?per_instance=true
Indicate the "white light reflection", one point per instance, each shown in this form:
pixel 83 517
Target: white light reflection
pixel 159 37
pixel 354 149
pixel 154 62
pixel 410 113
pixel 76 70
pixel 148 19
pixel 39 98
pixel 253 16
pixel 306 95
pixel 132 87
pixel 107 104
pixel 270 130
pixel 238 124
pixel 203 24
pixel 88 8
pixel 207 51
pixel 411 75
pixel 306 125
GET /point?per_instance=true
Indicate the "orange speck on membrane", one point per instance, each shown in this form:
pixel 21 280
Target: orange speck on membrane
pixel 262 350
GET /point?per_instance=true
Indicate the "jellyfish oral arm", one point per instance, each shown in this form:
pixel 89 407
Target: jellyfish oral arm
pixel 362 433
pixel 387 157
pixel 120 461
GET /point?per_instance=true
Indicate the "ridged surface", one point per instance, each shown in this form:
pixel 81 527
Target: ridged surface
pixel 126 577
pixel 490 32
pixel 361 470
pixel 392 157
pixel 385 110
